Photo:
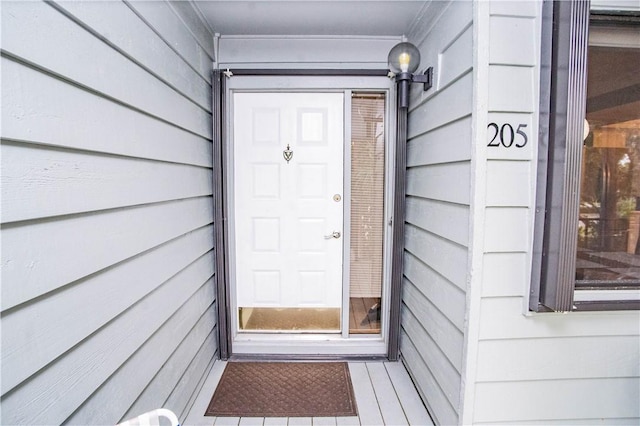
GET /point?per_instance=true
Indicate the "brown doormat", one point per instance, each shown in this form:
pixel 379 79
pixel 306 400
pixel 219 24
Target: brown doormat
pixel 284 389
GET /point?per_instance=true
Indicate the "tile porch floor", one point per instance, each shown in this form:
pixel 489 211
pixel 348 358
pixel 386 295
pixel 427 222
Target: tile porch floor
pixel 384 393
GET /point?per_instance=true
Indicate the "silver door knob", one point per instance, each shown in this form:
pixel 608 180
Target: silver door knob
pixel 334 234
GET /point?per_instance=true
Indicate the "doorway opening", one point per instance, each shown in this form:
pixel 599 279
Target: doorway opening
pixel 309 190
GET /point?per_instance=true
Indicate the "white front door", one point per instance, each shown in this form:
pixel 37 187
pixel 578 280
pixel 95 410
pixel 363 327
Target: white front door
pixel 288 207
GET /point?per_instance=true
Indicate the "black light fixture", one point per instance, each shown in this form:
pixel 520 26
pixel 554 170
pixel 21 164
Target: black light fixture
pixel 404 59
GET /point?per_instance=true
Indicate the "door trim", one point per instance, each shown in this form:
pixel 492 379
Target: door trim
pixel 219 209
pixel 323 80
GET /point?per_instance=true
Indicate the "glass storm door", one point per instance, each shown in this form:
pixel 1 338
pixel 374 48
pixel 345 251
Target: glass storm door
pixel 288 210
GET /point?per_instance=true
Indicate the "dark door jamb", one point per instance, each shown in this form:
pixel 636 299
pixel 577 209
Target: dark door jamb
pixel 219 208
pixel 220 198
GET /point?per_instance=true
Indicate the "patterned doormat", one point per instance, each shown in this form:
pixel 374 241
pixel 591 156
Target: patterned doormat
pixel 284 389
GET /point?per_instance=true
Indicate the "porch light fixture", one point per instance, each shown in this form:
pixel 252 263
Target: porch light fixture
pixel 404 59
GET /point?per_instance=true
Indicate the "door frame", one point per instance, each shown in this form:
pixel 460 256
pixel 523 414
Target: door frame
pixel 224 85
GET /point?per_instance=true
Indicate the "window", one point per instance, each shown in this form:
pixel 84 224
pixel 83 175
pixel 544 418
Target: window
pixel 587 234
pixel 367 212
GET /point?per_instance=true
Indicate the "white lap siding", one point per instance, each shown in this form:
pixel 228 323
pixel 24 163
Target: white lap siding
pixel 437 209
pixel 108 302
pixel 546 368
pixel 474 352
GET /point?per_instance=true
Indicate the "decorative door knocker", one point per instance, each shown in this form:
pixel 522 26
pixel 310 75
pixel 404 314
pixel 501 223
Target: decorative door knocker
pixel 287 153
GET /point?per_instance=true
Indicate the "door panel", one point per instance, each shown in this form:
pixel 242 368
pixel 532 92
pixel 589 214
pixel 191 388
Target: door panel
pixel 285 209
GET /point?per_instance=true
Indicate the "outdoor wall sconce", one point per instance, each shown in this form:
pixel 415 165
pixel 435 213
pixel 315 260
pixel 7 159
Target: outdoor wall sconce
pixel 404 59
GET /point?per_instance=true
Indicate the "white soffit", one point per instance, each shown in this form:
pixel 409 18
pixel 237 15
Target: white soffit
pixel 311 17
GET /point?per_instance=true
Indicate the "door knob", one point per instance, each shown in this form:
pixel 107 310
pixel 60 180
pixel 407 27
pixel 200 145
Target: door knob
pixel 334 234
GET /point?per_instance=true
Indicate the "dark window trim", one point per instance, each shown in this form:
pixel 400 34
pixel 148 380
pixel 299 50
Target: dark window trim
pixel 607 305
pixel 563 76
pixel 562 106
pixel 310 72
pixel 619 18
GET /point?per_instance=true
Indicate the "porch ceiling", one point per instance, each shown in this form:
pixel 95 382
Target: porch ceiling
pixel 310 17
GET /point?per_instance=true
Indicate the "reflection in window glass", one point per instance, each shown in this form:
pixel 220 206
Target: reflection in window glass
pixel 609 219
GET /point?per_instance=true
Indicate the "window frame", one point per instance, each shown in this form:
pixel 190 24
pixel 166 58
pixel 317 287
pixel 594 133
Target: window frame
pixel 563 89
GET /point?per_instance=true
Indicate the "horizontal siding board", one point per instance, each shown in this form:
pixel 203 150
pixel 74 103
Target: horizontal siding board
pixel 426 20
pixel 437 213
pixel 558 399
pixel 439 406
pixel 445 23
pixel 183 391
pixel 445 182
pixel 38 108
pixel 41 182
pixel 508 184
pixel 449 298
pixel 446 144
pixel 162 18
pixel 503 319
pixel 56 392
pixel 41 257
pixel 443 372
pixel 505 274
pixel 121 27
pixel 107 211
pixel 504 82
pixel 507 229
pixel 116 76
pixel 511 41
pixel 194 23
pixel 441 255
pixel 196 413
pixel 449 221
pixel 187 326
pixel 446 106
pixel 448 19
pixel 159 388
pixel 442 339
pixel 543 359
pixel 518 9
pixel 42 331
pixel 548 368
pixel 456 59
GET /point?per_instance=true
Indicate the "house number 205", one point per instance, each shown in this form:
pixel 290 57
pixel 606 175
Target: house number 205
pixel 506 136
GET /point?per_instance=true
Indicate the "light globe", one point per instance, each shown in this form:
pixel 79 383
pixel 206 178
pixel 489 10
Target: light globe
pixel 404 57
